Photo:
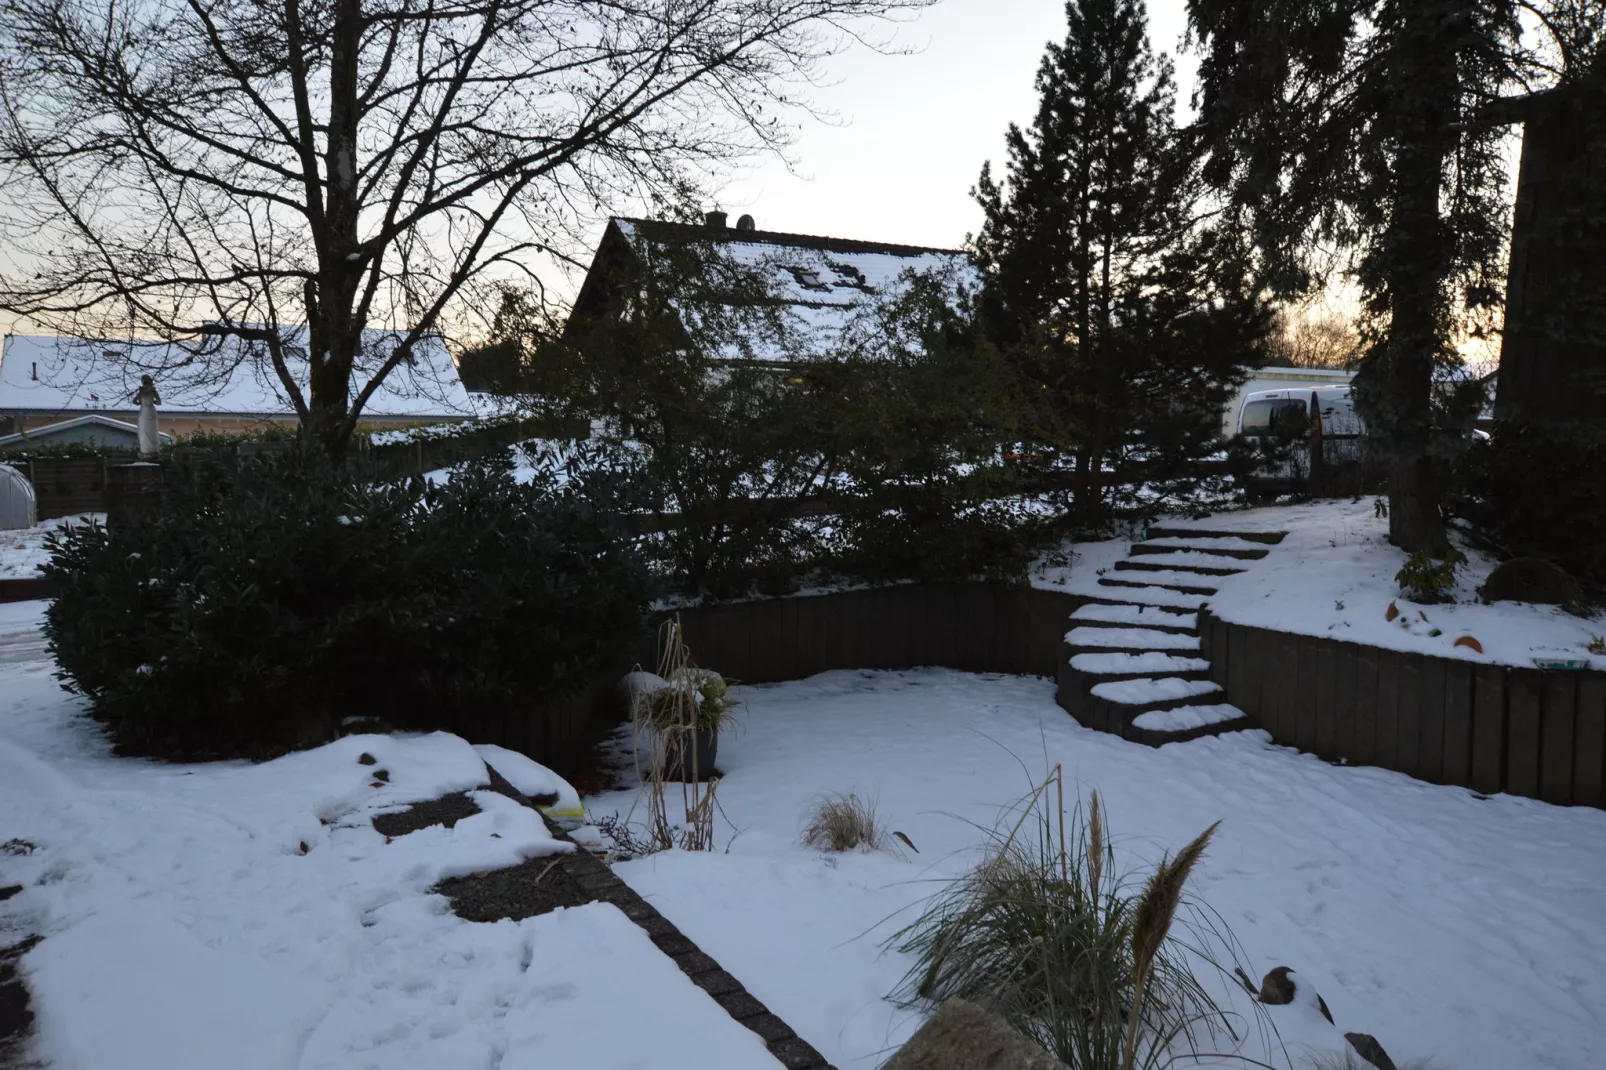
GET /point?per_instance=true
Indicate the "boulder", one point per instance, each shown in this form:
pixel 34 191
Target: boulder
pixel 1530 579
pixel 1367 1047
pixel 1280 985
pixel 963 1036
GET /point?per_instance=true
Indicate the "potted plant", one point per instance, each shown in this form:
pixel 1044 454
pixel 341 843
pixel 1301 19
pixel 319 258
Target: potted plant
pixel 687 711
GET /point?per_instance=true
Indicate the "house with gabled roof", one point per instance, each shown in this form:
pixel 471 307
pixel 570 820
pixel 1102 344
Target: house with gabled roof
pixel 49 384
pixel 821 282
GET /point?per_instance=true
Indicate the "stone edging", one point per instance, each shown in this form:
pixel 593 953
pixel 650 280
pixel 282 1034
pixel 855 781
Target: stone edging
pixel 595 879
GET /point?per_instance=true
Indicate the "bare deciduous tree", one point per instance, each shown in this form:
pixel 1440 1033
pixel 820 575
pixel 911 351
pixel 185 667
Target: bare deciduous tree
pixel 1306 338
pixel 353 164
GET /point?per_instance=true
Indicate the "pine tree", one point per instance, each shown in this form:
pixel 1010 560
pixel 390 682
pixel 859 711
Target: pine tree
pixel 1376 126
pixel 1098 282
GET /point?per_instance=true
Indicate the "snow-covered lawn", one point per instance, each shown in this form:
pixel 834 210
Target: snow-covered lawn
pixel 1471 932
pixel 185 926
pixel 1333 576
pixel 22 551
pixel 250 917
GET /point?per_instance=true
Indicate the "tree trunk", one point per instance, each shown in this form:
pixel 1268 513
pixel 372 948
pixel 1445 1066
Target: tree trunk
pixel 1415 490
pixel 1553 353
pixel 334 327
pixel 1418 256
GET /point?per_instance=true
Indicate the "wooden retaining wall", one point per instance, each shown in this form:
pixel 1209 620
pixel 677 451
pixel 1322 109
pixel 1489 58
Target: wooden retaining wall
pixel 1491 728
pixel 973 627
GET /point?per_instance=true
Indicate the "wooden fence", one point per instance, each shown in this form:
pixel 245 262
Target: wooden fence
pixel 1491 728
pixel 66 486
pixel 69 486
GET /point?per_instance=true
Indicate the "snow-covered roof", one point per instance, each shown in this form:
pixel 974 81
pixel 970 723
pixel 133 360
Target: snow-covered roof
pixel 92 421
pixel 823 282
pixel 214 377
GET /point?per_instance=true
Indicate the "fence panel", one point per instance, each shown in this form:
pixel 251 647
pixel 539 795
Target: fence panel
pixel 1560 699
pixel 1524 701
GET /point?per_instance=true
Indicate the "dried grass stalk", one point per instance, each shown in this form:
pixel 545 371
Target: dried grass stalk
pixel 665 723
pixel 1151 924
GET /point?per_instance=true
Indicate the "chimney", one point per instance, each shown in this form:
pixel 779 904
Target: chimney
pixel 715 219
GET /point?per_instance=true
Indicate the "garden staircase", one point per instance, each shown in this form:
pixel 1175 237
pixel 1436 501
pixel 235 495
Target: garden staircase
pixel 1132 661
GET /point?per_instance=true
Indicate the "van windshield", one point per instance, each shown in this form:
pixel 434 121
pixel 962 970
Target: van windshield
pixel 1274 414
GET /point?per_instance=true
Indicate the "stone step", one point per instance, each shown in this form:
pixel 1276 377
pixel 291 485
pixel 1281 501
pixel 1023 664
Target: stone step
pixel 1130 616
pixel 1167 565
pixel 1101 709
pixel 1152 663
pixel 1152 596
pixel 1095 640
pixel 1180 724
pixel 1164 531
pixel 1081 673
pixel 1140 549
pixel 1169 581
pixel 1154 693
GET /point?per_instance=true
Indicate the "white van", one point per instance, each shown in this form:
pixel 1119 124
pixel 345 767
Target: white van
pixel 1271 410
pixel 1288 412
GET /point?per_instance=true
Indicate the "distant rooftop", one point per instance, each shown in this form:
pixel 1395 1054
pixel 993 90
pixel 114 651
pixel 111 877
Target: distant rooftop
pixel 62 375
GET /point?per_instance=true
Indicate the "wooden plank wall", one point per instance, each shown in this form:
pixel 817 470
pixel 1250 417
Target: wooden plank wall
pixel 68 486
pixel 1528 732
pixel 974 627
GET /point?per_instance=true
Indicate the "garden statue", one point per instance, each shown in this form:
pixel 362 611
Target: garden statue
pixel 147 398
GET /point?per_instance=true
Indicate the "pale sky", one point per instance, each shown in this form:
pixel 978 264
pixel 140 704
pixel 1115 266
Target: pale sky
pixel 914 129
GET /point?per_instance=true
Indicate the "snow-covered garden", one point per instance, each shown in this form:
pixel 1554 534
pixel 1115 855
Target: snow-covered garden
pixel 250 915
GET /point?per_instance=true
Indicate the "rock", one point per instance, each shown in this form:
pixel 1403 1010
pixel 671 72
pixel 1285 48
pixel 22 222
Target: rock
pixel 1277 987
pixel 1280 984
pixel 311 728
pixel 1367 1047
pixel 1530 579
pixel 963 1036
pixel 366 759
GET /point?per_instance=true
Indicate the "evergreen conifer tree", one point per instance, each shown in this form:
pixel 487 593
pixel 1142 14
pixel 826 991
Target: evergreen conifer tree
pixel 1377 126
pixel 1101 285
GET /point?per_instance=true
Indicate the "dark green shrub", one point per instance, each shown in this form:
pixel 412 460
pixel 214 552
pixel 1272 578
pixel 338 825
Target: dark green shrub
pixel 263 604
pixel 1530 495
pixel 1424 579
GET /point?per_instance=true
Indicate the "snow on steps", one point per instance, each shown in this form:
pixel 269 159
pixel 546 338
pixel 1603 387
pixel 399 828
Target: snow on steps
pixel 1190 722
pixel 1222 566
pixel 1182 718
pixel 1134 639
pixel 1122 677
pixel 1154 662
pixel 1152 692
pixel 1147 596
pixel 1186 582
pixel 1143 616
pixel 1174 530
pixel 1206 542
pixel 1163 556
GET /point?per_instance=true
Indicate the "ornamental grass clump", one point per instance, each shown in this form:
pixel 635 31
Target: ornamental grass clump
pixel 1046 934
pixel 844 823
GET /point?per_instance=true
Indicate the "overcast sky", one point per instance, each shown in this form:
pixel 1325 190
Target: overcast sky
pixel 913 130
